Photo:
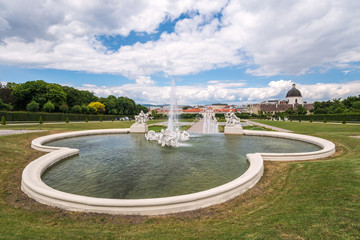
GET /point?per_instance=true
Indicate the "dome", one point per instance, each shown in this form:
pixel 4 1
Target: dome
pixel 293 92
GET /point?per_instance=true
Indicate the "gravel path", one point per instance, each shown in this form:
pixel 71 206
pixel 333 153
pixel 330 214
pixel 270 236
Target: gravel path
pixel 197 127
pixel 267 126
pixel 11 132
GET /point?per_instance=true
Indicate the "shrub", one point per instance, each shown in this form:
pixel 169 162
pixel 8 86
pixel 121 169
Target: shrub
pixel 344 121
pixel 49 106
pixel 86 119
pixel 325 120
pixel 311 120
pixel 3 121
pixel 32 106
pixel 100 119
pixel 67 120
pixel 41 120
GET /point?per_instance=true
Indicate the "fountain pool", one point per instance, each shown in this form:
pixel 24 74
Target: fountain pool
pixel 134 173
pixel 126 166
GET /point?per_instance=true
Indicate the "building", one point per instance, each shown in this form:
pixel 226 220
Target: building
pixel 292 100
pixel 293 96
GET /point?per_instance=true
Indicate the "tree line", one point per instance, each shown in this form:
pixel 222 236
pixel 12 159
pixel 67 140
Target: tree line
pixel 39 95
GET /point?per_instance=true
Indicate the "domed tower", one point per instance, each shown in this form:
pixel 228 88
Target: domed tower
pixel 293 96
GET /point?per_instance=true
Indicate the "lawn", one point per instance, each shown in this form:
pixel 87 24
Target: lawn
pixel 294 200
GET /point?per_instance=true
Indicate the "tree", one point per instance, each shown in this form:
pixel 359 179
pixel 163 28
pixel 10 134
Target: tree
pixel 92 110
pixel 301 110
pixel 290 111
pixel 6 94
pixel 4 106
pixel 55 94
pixel 84 109
pixel 356 105
pixel 3 121
pixel 100 108
pixel 140 108
pixel 26 92
pixel 48 106
pixel 32 106
pixel 78 97
pixel 64 108
pixel 76 109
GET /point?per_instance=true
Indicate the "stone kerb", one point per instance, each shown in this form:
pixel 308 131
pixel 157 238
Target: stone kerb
pixel 328 148
pixel 35 188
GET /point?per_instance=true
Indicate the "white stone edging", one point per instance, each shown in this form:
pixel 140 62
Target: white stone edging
pixel 35 188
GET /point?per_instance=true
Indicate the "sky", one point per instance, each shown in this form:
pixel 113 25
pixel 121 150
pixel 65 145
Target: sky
pixel 227 51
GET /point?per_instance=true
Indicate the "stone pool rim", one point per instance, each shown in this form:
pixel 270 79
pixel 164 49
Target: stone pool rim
pixel 35 188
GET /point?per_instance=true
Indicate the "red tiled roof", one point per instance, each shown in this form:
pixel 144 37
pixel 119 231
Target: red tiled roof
pixel 194 110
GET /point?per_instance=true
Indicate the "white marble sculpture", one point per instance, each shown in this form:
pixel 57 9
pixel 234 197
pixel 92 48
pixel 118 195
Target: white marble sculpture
pixel 232 119
pixel 233 125
pixel 140 123
pixel 142 118
pixel 167 137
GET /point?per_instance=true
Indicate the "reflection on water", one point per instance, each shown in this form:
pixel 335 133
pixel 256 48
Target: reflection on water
pixel 128 166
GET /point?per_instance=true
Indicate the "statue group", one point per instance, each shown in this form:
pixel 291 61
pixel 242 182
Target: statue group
pixel 142 118
pixel 231 119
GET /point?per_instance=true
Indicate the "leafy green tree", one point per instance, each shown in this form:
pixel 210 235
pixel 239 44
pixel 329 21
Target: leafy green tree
pixel 32 106
pixel 86 119
pixel 85 109
pixel 356 105
pixel 290 111
pixel 55 94
pixel 76 109
pixel 67 120
pixel 6 94
pixel 110 103
pixel 26 92
pixel 41 120
pixel 49 107
pixel 78 97
pixel 4 106
pixel 301 110
pixel 64 108
pixel 92 110
pixel 140 108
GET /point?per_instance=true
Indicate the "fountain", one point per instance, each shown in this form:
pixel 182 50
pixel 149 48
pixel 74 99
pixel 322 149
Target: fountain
pixel 121 173
pixel 210 125
pixel 172 135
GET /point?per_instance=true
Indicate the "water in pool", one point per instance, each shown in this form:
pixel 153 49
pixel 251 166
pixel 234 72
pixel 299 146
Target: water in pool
pixel 126 166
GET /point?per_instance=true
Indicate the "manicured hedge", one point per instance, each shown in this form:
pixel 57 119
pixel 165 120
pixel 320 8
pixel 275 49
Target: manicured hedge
pixel 55 117
pixel 328 117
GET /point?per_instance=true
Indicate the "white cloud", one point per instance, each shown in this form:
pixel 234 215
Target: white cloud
pixel 268 38
pixel 229 92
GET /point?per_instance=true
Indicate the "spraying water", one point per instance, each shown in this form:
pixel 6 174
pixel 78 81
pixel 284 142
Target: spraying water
pixel 171 136
pixel 173 119
pixel 210 123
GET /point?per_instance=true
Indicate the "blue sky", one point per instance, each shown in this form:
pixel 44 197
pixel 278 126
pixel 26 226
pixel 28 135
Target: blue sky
pixel 216 51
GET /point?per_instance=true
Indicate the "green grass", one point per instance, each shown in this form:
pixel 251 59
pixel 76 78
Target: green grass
pixel 294 200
